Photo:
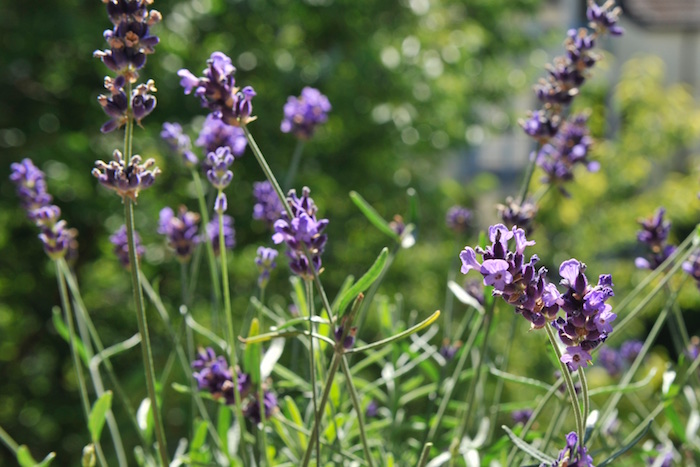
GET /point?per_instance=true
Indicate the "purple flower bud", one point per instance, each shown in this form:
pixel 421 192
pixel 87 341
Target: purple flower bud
pixel 303 114
pixel 215 134
pixel 604 18
pixel 458 219
pixel 521 416
pixel 522 214
pixel 265 260
pixel 179 142
pixel 127 179
pixel 121 246
pixel 229 233
pixel 268 207
pixel 180 231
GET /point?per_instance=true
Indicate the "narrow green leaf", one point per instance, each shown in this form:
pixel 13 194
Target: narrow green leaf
pixel 464 297
pixel 299 296
pixel 525 447
pixel 626 448
pixel 62 331
pixel 425 323
pixel 223 423
pixel 251 357
pixel 675 421
pixel 343 288
pixel 46 461
pixel 98 413
pixel 365 281
pixel 292 412
pixel 372 215
pixel 197 454
pixel 24 457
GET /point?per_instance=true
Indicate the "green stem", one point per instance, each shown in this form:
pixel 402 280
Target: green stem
pixel 585 397
pixel 82 387
pixel 141 319
pixel 85 317
pixel 528 176
pixel 267 171
pixel 8 441
pixel 358 410
pixel 184 361
pixel 294 165
pixel 455 377
pixel 335 364
pixel 204 212
pixel 231 335
pixel 312 362
pixel 474 382
pixel 580 428
pixel 500 383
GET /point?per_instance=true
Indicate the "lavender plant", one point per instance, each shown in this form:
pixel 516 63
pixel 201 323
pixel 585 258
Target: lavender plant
pixel 358 379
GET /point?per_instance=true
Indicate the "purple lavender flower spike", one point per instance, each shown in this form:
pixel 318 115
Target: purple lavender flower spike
pixel 573 455
pixel 179 142
pixel 215 134
pixel 604 18
pixel 268 207
pixel 57 239
pixel 564 151
pixel 30 183
pixel 130 41
pixel 458 219
pixel 121 246
pixel 513 213
pixel 252 409
pixel 303 234
pixel 611 360
pixel 219 162
pixel 448 350
pixel 213 374
pixel 180 231
pixel 540 125
pixel 212 229
pixel 217 91
pixel 303 114
pixel 654 234
pixel 630 349
pixel 142 101
pixel 265 260
pixel 521 416
pixel 127 179
pixel 513 278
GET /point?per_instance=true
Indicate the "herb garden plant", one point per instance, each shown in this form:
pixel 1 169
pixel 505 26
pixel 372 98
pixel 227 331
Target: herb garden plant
pixel 352 376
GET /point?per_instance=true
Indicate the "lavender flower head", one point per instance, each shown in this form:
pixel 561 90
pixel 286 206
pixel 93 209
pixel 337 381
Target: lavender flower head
pixel 121 246
pixel 588 318
pixel 116 103
pixel 265 260
pixel 229 234
pixel 31 186
pixel 213 374
pixel 179 142
pixel 611 360
pixel 604 18
pixel 268 207
pixel 304 113
pixel 180 231
pixel 458 219
pixel 521 416
pixel 654 234
pixel 30 183
pixel 219 162
pixel 573 455
pixel 127 179
pixel 513 213
pixel 514 279
pixel 215 134
pixel 217 91
pixel 692 266
pixel 303 234
pixel 565 150
pixel 252 408
pixel 130 41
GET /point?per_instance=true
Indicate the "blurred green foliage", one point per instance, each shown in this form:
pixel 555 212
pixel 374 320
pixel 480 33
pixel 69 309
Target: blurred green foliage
pixel 406 80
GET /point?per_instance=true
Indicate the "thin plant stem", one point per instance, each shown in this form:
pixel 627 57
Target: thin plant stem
pixel 312 361
pixel 358 409
pixel 335 364
pixel 528 176
pixel 584 396
pixel 505 356
pixel 85 317
pixel 425 455
pixel 455 376
pixel 82 387
pixel 535 413
pixel 8 441
pixel 141 319
pixel 294 165
pixel 580 427
pixel 231 335
pixel 474 382
pixel 267 171
pixel 211 257
pixel 184 362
